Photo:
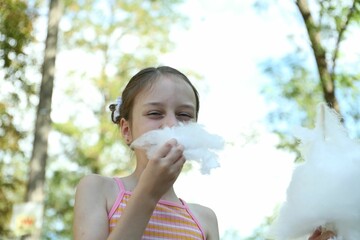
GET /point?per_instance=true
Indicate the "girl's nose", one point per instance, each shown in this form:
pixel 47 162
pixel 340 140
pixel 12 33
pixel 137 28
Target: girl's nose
pixel 170 121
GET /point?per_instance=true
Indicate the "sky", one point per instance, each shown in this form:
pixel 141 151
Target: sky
pixel 225 43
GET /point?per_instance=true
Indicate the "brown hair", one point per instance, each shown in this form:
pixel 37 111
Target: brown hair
pixel 138 82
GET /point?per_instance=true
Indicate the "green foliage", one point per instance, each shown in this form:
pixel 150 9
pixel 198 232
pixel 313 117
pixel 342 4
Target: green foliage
pixel 102 29
pixel 296 86
pixel 295 96
pixel 231 234
pixel 10 135
pixel 262 232
pixel 15 34
pixel 11 191
pixel 105 29
pixel 15 29
pixel 59 203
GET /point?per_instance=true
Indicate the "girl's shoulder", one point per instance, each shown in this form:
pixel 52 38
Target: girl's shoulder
pixel 207 218
pixel 201 210
pixel 91 207
pixel 97 189
pixel 95 181
pixel 95 184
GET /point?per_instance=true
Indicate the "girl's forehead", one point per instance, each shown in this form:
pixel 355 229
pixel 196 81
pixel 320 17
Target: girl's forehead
pixel 167 85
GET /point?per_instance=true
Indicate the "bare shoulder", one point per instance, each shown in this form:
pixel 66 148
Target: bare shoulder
pixel 93 180
pixel 207 219
pixel 202 211
pixel 91 207
pixel 97 187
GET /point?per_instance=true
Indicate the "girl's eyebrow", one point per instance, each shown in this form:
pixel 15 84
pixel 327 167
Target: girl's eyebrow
pixel 159 104
pixel 153 104
pixel 188 106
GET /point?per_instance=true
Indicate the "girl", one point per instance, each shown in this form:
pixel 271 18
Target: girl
pixel 144 205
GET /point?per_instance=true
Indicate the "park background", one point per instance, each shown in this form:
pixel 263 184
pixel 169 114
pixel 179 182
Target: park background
pixel 260 68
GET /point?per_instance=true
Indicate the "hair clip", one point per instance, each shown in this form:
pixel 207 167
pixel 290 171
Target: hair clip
pixel 115 110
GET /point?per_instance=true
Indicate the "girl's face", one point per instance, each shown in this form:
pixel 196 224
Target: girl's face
pixel 167 102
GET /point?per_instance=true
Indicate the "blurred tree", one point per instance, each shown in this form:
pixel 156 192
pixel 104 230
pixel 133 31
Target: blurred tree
pixel 124 36
pixel 317 71
pixel 16 31
pixel 262 232
pixel 117 38
pixel 230 234
pixel 35 191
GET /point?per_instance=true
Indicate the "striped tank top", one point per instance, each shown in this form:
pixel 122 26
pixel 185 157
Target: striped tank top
pixel 168 221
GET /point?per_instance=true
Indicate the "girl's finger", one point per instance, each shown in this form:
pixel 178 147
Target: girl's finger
pixel 164 150
pixel 316 234
pixel 327 235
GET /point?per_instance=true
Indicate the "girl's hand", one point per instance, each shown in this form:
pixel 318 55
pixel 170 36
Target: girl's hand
pixel 321 234
pixel 158 176
pixel 163 168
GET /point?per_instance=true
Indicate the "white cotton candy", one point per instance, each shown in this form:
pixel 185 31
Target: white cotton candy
pixel 199 145
pixel 325 188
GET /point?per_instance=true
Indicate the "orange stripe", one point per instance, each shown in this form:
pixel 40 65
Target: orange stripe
pixel 174 228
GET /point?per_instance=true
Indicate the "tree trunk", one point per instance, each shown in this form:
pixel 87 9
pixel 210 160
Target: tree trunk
pixel 327 81
pixel 36 182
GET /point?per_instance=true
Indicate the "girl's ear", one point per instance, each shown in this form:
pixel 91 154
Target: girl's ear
pixel 125 130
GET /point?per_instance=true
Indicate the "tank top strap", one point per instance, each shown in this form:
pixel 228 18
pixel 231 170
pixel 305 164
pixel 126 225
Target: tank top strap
pixel 193 217
pixel 119 197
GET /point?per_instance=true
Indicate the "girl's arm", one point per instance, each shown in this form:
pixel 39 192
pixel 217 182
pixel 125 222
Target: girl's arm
pixel 159 175
pixel 90 214
pixel 207 219
pixel 91 220
pixel 213 226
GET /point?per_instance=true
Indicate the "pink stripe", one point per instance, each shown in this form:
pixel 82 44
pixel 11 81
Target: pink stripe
pixel 118 199
pixel 164 202
pixel 170 224
pixel 168 232
pixel 169 215
pixel 164 209
pixel 194 218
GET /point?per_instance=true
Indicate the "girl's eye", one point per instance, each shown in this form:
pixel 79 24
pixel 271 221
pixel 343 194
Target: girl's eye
pixel 154 114
pixel 185 116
